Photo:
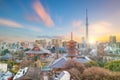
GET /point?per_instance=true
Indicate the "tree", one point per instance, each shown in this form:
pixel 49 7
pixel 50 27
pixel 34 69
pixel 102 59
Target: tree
pixel 113 65
pixel 15 69
pixel 26 63
pixel 20 54
pixel 79 72
pixel 74 64
pixel 27 49
pixel 5 52
pixel 91 63
pixel 114 76
pixel 75 69
pixel 96 73
pixel 75 74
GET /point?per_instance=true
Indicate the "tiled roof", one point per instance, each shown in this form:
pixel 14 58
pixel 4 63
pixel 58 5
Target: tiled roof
pixel 82 60
pixel 59 63
pixel 41 51
pixel 6 57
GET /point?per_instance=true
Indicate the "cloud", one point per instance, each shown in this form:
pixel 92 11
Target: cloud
pixel 32 18
pixel 10 23
pixel 28 15
pixel 16 39
pixel 96 29
pixel 43 14
pixel 36 29
pixel 76 23
pixel 100 28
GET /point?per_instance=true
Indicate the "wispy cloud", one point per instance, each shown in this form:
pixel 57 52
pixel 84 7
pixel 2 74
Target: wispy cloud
pixel 28 15
pixel 32 18
pixel 76 23
pixel 96 29
pixel 15 39
pixel 43 14
pixel 36 29
pixel 100 28
pixel 10 23
pixel 13 24
pixel 78 27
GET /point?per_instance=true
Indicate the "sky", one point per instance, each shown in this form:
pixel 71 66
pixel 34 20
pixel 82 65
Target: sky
pixel 28 20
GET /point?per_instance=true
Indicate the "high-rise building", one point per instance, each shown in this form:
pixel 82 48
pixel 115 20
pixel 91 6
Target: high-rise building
pixel 64 44
pixel 118 44
pixel 24 44
pixel 56 42
pixel 100 50
pixel 42 42
pixel 83 42
pixel 112 40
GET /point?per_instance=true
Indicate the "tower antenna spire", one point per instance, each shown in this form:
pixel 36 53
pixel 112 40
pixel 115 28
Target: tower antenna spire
pixel 86 25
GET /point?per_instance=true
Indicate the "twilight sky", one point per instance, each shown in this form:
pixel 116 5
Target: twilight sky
pixel 28 19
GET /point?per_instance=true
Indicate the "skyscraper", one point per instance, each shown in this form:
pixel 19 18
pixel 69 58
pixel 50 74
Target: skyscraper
pixel 57 43
pixel 83 42
pixel 112 40
pixel 42 42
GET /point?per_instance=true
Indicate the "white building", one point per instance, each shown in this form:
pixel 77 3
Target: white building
pixel 3 67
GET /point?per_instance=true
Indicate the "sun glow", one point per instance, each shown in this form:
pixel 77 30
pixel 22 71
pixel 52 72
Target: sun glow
pixel 92 41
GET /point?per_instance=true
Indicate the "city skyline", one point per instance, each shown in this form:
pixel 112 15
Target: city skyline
pixel 26 20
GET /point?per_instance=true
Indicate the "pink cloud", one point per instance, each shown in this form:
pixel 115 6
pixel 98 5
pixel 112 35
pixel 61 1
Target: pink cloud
pixel 10 23
pixel 79 31
pixel 76 23
pixel 32 18
pixel 100 27
pixel 43 14
pixel 29 15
